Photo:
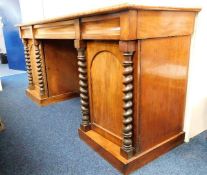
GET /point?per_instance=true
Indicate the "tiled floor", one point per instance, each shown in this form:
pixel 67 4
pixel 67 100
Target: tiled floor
pixel 5 71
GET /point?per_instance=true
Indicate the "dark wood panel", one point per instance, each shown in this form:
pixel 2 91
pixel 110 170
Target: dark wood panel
pixel 164 65
pixel 61 66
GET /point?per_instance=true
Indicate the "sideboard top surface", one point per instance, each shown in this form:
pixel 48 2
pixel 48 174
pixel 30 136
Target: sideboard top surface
pixel 111 9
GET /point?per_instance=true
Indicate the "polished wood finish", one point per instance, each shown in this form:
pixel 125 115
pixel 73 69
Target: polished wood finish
pixel 163 88
pixel 105 76
pixel 128 25
pixel 123 22
pixel 161 24
pixel 103 27
pixel 58 30
pixel 132 64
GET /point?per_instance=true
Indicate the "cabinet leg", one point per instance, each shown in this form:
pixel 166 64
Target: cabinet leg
pixel 28 64
pixel 127 149
pixel 39 68
pixel 83 82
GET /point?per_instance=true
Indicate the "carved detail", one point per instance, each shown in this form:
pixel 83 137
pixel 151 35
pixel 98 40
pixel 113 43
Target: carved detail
pixel 28 64
pixel 83 82
pixel 127 149
pixel 39 68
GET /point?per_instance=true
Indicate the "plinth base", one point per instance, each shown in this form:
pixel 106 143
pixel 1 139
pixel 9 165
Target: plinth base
pixel 49 100
pixel 111 152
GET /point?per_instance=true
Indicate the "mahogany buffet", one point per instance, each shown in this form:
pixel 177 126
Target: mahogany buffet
pixel 131 63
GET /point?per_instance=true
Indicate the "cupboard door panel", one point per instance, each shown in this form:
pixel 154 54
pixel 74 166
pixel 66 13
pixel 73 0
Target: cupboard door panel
pixel 105 79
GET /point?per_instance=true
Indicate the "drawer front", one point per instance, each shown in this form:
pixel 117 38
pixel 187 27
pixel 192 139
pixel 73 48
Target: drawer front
pixel 58 30
pixel 152 24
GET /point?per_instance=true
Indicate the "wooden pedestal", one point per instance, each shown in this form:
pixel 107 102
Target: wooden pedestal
pixel 52 71
pixel 131 63
pixel 111 152
pixel 137 100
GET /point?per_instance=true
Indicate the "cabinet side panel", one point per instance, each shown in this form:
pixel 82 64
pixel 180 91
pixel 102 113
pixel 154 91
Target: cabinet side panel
pixel 61 66
pixel 164 66
pixel 105 79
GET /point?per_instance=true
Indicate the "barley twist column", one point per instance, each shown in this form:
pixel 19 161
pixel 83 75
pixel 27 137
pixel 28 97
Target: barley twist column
pixel 83 83
pixel 127 149
pixel 39 68
pixel 28 64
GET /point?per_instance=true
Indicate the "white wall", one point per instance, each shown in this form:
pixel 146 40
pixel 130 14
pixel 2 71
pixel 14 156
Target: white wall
pixel 196 104
pixel 31 10
pixel 2 42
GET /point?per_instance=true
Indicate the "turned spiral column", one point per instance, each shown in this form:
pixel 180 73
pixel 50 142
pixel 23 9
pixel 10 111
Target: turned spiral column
pixel 39 68
pixel 28 64
pixel 83 83
pixel 127 149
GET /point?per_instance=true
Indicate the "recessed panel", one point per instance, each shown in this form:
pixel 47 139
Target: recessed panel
pixel 106 89
pixel 61 66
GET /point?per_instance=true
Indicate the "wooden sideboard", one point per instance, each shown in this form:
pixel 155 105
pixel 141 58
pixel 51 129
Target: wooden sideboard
pixel 131 63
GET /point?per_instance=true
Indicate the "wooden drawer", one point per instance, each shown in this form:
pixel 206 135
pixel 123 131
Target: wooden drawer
pixel 101 27
pixel 57 30
pixel 151 24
